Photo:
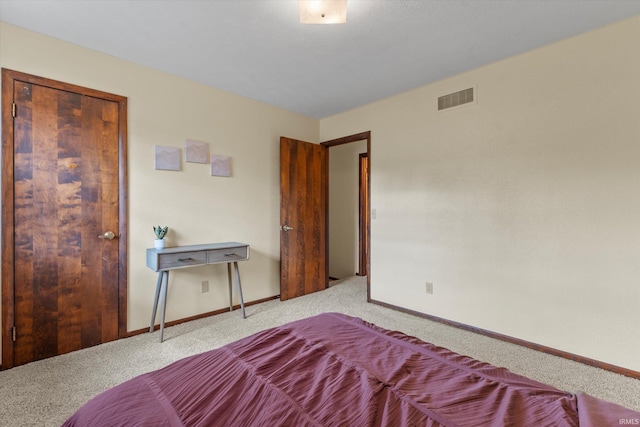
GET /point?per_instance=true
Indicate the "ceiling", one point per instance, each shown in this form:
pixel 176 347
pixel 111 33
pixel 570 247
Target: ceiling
pixel 258 48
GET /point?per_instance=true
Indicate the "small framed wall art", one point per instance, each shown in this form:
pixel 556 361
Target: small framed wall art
pixel 196 151
pixel 167 158
pixel 220 165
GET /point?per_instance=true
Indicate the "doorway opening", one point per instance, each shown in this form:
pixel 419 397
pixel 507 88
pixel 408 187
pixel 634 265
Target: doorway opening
pixel 349 206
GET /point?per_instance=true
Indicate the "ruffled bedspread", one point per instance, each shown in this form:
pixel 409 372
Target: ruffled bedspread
pixel 336 370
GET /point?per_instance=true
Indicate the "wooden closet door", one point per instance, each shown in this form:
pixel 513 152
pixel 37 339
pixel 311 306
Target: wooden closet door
pixel 65 195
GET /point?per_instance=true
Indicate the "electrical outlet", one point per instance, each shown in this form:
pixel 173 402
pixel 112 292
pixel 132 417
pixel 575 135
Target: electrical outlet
pixel 429 288
pixel 205 286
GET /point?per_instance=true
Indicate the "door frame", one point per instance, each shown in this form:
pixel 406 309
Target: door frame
pixel 9 77
pixel 362 136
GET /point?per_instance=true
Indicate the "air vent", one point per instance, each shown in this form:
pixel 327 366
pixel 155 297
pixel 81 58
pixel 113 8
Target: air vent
pixel 455 99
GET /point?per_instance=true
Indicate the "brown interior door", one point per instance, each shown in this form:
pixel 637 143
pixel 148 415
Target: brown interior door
pixel 303 218
pixel 363 220
pixel 63 267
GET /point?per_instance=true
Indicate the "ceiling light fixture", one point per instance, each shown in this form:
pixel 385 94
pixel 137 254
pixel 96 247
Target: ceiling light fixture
pixel 323 11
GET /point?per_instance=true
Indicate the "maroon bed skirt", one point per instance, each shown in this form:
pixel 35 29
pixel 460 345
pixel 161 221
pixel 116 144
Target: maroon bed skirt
pixel 336 370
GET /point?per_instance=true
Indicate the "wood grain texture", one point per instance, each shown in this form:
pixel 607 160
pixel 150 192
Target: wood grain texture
pixel 8 255
pixel 69 236
pixel 304 206
pixel 63 288
pixel 110 214
pixel 364 215
pixel 41 224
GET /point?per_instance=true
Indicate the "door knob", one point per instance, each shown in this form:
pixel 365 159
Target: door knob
pixel 286 228
pixel 108 235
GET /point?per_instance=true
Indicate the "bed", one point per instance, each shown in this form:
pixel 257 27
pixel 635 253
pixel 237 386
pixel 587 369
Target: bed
pixel 336 370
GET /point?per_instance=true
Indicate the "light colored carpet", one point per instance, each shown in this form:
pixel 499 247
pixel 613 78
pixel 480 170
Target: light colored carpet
pixel 46 392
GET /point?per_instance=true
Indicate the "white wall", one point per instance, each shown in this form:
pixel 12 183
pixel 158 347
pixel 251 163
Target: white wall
pixel 198 208
pixel 522 208
pixel 344 192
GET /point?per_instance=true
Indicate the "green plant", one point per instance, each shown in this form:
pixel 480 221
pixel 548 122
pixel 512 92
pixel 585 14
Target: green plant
pixel 160 231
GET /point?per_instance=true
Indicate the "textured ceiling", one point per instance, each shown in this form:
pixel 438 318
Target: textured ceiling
pixel 258 48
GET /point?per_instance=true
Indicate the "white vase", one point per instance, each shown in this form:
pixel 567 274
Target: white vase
pixel 159 243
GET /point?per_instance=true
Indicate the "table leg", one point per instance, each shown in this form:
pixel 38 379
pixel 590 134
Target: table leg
pixel 230 287
pixel 155 301
pixel 235 266
pixel 165 285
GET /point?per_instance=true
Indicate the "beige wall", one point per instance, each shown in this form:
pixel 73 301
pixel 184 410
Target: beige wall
pixel 344 164
pixel 198 208
pixel 522 208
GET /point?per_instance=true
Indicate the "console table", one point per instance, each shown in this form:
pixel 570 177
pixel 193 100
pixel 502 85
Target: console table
pixel 164 260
